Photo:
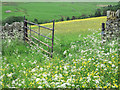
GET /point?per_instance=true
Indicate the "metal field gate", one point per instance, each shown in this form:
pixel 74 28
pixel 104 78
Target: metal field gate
pixel 28 39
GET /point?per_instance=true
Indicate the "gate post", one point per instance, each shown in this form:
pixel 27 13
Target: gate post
pixel 25 29
pixel 52 38
pixel 103 31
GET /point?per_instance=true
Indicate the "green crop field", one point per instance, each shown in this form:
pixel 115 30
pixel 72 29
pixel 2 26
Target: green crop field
pixel 46 11
pixel 80 59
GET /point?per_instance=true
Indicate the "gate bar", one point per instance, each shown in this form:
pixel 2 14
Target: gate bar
pixel 52 38
pixel 38 33
pixel 38 25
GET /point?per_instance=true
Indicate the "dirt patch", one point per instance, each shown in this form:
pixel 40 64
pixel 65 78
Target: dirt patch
pixel 101 5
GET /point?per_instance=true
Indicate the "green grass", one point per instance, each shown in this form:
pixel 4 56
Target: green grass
pixel 79 61
pixel 45 11
pixel 86 64
pixel 68 32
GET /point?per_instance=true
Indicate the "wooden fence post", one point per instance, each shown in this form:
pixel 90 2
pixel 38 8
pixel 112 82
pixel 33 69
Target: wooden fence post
pixel 52 38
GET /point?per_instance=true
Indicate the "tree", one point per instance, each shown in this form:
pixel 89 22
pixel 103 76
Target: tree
pixel 119 3
pixel 104 12
pixel 98 12
pixel 109 5
pixel 62 19
pixel 36 20
pixel 73 17
pixel 67 18
pixel 83 16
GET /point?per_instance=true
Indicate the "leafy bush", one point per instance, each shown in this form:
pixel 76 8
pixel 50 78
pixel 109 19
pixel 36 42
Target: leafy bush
pixel 112 8
pixel 62 19
pixel 57 20
pixel 91 15
pixel 35 20
pixel 83 16
pixel 12 19
pixel 79 17
pixel 41 22
pixel 98 12
pixel 73 17
pixel 67 18
pixel 104 12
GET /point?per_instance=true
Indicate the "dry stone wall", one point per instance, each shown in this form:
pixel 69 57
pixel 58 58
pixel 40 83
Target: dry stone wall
pixel 12 31
pixel 112 30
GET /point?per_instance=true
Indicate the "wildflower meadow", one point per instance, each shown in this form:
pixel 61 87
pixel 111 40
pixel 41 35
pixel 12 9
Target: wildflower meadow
pixel 82 58
pixel 85 63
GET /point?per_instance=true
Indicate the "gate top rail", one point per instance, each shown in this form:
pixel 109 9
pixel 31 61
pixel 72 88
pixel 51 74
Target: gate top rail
pixel 37 25
pixel 37 33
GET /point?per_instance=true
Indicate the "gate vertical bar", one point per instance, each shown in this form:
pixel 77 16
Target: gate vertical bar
pixel 39 32
pixel 52 38
pixel 30 32
pixel 24 29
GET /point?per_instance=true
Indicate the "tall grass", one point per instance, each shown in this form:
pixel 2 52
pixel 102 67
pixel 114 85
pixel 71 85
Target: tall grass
pixel 81 59
pixel 87 63
pixel 68 31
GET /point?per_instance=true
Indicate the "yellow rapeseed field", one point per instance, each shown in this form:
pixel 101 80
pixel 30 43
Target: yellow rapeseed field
pixel 70 30
pixel 87 19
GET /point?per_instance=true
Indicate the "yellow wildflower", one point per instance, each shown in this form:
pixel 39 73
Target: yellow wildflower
pixel 82 86
pixel 105 87
pixel 116 85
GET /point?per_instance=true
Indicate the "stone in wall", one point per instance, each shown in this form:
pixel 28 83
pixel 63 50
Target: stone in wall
pixel 15 30
pixel 108 14
pixel 118 13
pixel 112 30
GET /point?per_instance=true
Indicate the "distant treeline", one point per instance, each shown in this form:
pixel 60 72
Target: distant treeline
pixel 98 13
pixel 103 11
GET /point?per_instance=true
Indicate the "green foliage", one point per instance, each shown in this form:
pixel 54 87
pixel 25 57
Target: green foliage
pixel 35 20
pixel 104 12
pixel 91 15
pixel 62 19
pixel 12 19
pixel 80 59
pixel 67 18
pixel 98 12
pixel 73 17
pixel 83 16
pixel 111 7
